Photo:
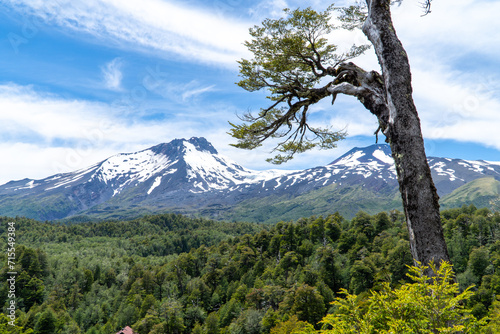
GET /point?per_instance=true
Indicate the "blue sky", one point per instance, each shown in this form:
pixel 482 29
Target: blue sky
pixel 82 80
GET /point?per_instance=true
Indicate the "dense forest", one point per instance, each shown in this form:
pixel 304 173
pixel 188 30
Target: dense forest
pixel 173 274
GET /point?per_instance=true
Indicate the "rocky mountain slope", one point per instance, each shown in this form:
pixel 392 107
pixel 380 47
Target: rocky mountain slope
pixel 189 176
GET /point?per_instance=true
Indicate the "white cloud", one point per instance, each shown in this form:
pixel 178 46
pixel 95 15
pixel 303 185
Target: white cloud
pixel 458 107
pixel 112 74
pixel 182 92
pixel 455 92
pixel 32 160
pixel 149 25
pixel 462 26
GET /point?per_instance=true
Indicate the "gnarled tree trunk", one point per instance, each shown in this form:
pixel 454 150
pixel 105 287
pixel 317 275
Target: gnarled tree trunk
pixel 401 125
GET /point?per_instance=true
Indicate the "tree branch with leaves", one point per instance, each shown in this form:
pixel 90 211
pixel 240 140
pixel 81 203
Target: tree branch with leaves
pixel 291 59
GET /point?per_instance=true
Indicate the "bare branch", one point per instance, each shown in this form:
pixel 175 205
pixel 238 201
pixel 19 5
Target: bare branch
pixel 313 64
pixel 426 5
pixel 346 88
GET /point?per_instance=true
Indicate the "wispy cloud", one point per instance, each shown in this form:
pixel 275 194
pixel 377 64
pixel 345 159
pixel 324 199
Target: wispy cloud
pixel 458 106
pixel 151 25
pixel 184 93
pixel 112 74
pixel 188 94
pixel 272 9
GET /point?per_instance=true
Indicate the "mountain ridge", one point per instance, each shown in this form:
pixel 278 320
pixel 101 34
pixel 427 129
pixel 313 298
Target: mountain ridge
pixel 191 177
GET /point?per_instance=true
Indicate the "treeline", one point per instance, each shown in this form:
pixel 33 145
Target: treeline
pixel 158 235
pixel 172 274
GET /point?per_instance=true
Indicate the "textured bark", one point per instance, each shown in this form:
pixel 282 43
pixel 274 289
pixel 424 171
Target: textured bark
pixel 401 125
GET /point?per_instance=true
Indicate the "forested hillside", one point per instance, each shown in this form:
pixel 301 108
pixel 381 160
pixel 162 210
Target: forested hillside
pixel 171 274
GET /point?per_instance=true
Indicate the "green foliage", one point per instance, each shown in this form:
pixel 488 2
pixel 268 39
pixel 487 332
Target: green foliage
pixel 352 17
pixel 483 192
pixel 429 305
pixel 7 327
pixel 494 314
pixel 290 57
pixel 308 304
pixel 45 206
pixel 46 323
pixel 318 202
pixel 293 326
pixel 479 261
pixel 169 273
pixel 282 48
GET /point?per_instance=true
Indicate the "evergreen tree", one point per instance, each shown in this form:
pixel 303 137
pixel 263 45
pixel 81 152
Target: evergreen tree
pixel 46 324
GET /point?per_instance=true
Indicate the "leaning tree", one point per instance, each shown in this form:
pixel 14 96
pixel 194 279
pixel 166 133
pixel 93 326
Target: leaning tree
pixel 296 64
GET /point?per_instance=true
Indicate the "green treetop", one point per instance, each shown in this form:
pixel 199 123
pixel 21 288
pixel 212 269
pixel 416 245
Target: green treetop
pixel 291 57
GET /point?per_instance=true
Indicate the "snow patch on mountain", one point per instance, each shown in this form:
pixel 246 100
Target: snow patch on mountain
pixel 29 185
pixel 365 162
pixel 480 166
pixel 439 168
pixel 497 163
pixel 156 183
pixel 70 178
pixel 351 160
pixel 382 156
pixel 219 172
pixel 134 166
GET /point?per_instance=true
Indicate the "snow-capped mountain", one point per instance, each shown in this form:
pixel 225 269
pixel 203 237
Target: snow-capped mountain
pixel 371 167
pixel 194 163
pixel 450 174
pixel 173 170
pixel 189 176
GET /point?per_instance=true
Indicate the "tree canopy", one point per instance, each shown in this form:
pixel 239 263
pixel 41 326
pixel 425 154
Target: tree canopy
pixel 174 274
pixel 291 58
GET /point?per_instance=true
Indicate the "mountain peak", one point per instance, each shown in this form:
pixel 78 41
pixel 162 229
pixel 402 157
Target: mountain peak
pixel 201 144
pixel 377 152
pixel 178 146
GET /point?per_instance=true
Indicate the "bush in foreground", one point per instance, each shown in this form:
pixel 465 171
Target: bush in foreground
pixel 428 305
